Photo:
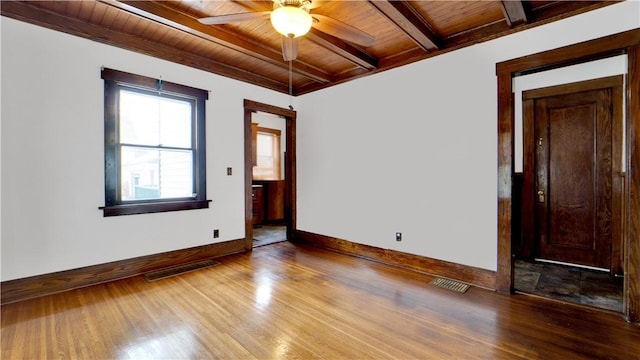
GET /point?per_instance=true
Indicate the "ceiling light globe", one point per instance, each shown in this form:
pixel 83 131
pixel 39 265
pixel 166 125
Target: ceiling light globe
pixel 291 21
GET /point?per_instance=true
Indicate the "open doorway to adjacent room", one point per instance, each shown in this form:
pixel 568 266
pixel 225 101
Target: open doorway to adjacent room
pixel 268 132
pixel 270 174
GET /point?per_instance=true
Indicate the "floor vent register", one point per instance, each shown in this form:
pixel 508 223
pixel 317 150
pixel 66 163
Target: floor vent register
pixel 450 285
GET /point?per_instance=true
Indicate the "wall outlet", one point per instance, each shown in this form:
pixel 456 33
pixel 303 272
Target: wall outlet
pixel 216 233
pixel 398 236
pixel 229 171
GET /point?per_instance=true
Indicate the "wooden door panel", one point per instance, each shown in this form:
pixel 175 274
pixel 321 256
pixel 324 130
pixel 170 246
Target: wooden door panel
pixel 571 188
pixel 562 143
pixel 573 167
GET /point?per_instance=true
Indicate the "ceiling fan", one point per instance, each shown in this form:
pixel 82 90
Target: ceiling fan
pixel 293 19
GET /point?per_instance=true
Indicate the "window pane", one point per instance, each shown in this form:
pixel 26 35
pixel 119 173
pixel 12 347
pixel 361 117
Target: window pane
pixel 175 123
pixel 176 174
pixel 266 168
pixel 152 120
pixel 147 174
pixel 265 145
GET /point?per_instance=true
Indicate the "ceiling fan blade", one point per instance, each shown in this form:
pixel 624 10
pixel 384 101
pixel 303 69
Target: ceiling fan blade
pixel 290 48
pixel 232 18
pixel 341 30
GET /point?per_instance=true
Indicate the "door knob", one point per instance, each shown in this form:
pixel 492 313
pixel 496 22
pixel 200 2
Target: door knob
pixel 541 196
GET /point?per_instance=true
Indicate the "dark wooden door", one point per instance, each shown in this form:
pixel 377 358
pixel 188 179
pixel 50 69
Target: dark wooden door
pixel 573 177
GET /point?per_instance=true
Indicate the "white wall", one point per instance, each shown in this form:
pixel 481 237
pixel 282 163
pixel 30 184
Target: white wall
pixel 414 149
pixel 53 154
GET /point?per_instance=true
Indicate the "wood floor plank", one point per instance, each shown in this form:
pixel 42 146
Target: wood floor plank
pixel 292 301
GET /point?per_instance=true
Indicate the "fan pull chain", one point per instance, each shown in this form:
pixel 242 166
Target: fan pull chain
pixel 290 84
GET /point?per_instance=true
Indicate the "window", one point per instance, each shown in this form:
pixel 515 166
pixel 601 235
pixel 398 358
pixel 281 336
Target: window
pixel 154 145
pixel 267 155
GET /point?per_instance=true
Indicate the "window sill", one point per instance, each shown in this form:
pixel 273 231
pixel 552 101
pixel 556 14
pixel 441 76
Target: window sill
pixel 154 207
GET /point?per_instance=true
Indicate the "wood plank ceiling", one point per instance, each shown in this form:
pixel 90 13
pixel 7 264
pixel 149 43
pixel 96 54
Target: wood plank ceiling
pixel 250 51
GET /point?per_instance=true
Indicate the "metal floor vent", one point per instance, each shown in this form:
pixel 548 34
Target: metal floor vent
pixel 180 269
pixel 450 285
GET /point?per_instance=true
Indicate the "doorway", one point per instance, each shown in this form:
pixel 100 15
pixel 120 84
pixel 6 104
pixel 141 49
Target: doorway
pixel 270 195
pixel 268 134
pixel 622 43
pixel 571 193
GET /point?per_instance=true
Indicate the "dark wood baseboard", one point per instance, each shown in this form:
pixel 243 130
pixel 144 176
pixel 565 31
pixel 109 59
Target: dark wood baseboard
pixel 46 284
pixel 468 274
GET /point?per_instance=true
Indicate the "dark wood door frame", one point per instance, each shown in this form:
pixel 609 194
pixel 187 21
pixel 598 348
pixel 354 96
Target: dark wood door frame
pixel 627 42
pixel 251 107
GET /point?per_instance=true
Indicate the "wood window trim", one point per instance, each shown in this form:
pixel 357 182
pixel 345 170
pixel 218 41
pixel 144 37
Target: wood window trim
pixel 627 42
pixel 154 207
pixel 274 132
pixel 151 83
pixel 115 207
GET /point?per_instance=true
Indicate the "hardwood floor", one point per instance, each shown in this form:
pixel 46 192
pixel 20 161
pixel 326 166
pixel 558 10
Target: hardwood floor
pixel 291 301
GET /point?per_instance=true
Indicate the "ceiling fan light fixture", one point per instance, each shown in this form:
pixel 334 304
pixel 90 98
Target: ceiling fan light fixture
pixel 291 21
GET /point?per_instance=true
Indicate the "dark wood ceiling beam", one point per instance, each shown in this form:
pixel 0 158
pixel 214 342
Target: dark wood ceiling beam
pixel 553 12
pixel 30 12
pixel 407 19
pixel 343 49
pixel 563 9
pixel 346 76
pixel 406 57
pixel 163 15
pixel 514 12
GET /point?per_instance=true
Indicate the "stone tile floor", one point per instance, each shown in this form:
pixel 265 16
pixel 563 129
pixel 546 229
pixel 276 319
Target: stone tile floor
pixel 269 234
pixel 571 284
